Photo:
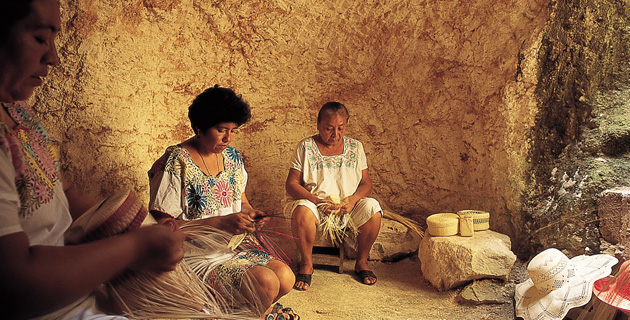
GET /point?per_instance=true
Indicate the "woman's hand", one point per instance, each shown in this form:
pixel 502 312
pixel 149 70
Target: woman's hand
pixel 347 205
pixel 259 217
pixel 329 207
pixel 160 247
pixel 239 222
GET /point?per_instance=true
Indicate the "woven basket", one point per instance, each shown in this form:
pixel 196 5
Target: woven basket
pixel 481 219
pixel 443 224
pixel 119 213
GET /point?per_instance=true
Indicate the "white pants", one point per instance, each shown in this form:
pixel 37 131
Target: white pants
pixel 363 210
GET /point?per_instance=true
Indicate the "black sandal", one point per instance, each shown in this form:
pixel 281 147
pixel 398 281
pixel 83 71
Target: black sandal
pixel 302 277
pixel 365 274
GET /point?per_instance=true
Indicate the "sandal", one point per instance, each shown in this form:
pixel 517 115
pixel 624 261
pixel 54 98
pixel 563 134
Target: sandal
pixel 365 274
pixel 302 277
pixel 280 313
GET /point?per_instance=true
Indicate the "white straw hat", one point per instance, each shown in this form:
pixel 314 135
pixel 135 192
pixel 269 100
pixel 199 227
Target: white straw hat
pixel 557 284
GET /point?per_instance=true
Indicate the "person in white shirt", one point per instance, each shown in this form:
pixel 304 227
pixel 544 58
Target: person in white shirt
pixel 40 277
pixel 331 165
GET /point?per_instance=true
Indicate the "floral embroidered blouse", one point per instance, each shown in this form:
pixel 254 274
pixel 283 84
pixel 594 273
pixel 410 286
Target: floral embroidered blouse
pixel 31 195
pixel 182 190
pixel 338 175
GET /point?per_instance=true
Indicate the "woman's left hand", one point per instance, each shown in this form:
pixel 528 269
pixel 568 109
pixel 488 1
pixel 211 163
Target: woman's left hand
pixel 259 217
pixel 347 205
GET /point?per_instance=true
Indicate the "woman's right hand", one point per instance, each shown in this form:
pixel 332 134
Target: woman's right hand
pixel 237 223
pixel 160 247
pixel 328 206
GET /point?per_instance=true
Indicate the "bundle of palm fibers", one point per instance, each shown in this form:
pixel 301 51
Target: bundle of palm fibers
pixel 409 223
pixel 186 292
pixel 206 249
pixel 336 226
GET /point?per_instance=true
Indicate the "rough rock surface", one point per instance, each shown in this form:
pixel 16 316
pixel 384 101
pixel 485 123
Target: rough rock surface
pixel 448 99
pixel 440 93
pixel 449 262
pixel 394 241
pixel 487 291
pixel 613 206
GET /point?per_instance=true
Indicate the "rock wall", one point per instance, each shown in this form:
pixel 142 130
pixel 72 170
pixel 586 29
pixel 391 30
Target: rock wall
pixel 442 94
pixel 580 139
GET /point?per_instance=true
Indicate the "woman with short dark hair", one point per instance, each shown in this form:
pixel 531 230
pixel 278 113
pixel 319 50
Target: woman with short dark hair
pixel 202 181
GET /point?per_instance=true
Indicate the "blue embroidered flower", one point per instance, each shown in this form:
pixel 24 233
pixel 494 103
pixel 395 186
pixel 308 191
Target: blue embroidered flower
pixel 197 201
pixel 234 155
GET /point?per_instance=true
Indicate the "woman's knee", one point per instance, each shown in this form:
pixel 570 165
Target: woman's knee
pixel 285 275
pixel 266 279
pixel 304 216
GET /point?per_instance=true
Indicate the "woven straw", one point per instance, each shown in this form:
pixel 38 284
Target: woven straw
pixel 481 219
pixel 119 213
pixel 443 224
pixel 466 226
pixel 557 284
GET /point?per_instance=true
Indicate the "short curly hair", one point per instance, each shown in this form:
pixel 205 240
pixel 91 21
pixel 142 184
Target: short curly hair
pixel 217 105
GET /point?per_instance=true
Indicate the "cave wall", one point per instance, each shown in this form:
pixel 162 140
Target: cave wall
pixel 583 70
pixel 442 94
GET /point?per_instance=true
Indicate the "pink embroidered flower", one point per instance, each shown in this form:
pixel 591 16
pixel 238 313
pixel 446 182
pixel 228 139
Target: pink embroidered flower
pixel 223 193
pixel 41 191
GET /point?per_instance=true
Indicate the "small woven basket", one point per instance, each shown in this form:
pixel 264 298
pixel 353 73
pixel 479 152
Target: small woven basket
pixel 481 219
pixel 443 224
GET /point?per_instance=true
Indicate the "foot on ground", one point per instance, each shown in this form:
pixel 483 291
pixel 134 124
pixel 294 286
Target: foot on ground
pixel 303 277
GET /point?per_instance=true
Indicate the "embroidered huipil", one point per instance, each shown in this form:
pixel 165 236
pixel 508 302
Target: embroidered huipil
pixel 181 189
pixel 330 175
pixel 31 195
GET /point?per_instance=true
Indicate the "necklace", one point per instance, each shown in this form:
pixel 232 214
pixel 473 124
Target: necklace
pixel 204 161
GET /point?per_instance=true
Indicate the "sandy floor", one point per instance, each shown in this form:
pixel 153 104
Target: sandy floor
pixel 400 293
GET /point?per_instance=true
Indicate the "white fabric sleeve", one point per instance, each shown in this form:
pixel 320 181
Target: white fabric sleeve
pixel 244 178
pixel 297 160
pixel 166 194
pixel 9 198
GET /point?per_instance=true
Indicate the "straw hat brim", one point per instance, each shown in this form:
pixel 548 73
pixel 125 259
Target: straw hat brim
pixel 531 304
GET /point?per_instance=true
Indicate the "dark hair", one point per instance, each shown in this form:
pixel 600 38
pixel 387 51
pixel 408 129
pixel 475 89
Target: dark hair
pixel 217 105
pixel 332 108
pixel 12 11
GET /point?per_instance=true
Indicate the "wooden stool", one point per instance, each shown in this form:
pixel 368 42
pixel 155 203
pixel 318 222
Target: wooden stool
pixel 326 253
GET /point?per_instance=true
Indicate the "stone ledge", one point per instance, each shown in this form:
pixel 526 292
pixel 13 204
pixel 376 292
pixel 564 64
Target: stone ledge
pixel 449 262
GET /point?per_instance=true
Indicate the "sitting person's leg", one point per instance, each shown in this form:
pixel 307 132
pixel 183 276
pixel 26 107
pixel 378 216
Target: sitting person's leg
pixel 304 229
pixel 285 276
pixel 367 216
pixel 270 282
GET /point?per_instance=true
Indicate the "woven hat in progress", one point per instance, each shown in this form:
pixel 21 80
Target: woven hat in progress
pixel 557 283
pixel 116 214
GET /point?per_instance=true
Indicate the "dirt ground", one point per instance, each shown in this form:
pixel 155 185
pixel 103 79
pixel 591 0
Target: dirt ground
pixel 400 293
